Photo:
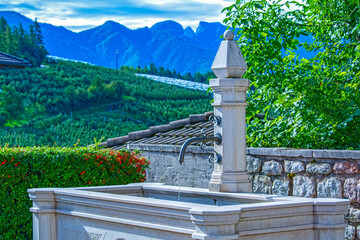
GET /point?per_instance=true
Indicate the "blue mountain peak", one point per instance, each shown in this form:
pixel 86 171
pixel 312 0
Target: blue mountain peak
pixel 168 26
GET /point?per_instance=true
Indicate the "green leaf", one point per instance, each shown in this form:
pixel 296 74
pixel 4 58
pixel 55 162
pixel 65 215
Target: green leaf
pixel 349 119
pixel 357 113
pixel 342 74
pixel 304 60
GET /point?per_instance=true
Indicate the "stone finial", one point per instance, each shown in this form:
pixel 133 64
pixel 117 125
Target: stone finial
pixel 229 35
pixel 229 61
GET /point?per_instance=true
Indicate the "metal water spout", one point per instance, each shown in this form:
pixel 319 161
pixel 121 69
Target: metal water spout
pixel 217 139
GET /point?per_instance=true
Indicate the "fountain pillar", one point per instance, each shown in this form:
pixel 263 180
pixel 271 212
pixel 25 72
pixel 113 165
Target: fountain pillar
pixel 230 105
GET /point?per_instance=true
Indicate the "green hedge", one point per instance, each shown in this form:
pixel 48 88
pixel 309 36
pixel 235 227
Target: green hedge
pixel 38 167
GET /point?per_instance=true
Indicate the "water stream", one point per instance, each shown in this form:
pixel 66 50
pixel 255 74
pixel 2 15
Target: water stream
pixel 179 178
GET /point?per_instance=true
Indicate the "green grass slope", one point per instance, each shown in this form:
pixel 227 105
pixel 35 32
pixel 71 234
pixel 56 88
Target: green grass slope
pixel 66 102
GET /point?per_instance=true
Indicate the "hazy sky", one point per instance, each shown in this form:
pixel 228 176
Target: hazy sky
pixel 82 14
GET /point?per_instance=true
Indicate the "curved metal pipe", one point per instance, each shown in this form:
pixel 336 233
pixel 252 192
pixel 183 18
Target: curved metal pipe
pixel 217 139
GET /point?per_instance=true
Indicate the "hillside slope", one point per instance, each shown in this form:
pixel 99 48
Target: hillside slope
pixel 68 101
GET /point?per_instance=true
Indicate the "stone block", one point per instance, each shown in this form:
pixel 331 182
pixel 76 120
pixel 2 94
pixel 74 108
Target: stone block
pixel 281 187
pixel 296 153
pixel 253 164
pixel 294 166
pixel 303 186
pixel 318 168
pixel 262 151
pixel 353 216
pixel 329 187
pixel 336 154
pixel 281 152
pixel 262 184
pixel 358 231
pixel 349 232
pixel 272 168
pixel 350 187
pixel 346 168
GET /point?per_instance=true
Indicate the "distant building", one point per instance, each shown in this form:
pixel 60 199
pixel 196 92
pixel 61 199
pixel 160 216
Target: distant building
pixel 9 61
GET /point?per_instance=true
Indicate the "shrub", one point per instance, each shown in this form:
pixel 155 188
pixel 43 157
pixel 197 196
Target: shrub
pixel 38 167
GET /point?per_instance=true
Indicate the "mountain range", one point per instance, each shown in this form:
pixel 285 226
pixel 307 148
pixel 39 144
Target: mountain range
pixel 166 43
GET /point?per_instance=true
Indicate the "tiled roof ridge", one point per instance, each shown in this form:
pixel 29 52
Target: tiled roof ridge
pixel 132 136
pixel 17 58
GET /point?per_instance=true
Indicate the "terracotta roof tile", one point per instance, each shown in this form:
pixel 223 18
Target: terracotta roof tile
pixel 116 141
pixel 197 118
pixel 174 133
pixel 179 123
pixel 161 128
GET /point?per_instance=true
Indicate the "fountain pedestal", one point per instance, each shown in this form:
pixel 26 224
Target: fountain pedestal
pixel 230 104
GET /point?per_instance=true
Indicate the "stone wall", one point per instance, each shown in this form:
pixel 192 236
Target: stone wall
pixel 309 173
pixel 293 172
pixel 165 168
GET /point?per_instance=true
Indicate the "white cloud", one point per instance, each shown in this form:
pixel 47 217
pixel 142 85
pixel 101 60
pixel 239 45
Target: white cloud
pixel 133 14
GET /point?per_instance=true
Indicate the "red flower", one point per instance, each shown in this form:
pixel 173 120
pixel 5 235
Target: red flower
pixel 9 176
pixel 101 162
pixel 83 172
pixel 17 164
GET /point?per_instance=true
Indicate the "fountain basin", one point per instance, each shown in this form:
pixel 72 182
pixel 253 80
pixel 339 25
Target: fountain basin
pixel 152 211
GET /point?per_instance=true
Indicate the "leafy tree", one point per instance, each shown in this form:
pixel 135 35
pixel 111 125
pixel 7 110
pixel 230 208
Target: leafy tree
pixel 162 71
pixel 114 89
pixel 17 41
pixel 308 103
pixel 153 69
pixel 3 25
pixel 11 104
pixel 188 76
pixel 35 30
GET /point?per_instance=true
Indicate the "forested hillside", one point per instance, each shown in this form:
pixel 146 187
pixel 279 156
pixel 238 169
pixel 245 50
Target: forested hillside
pixel 161 71
pixel 67 102
pixel 27 44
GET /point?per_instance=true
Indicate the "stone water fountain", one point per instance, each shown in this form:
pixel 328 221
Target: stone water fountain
pixel 227 210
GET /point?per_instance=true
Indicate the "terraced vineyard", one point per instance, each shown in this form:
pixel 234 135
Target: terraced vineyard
pixel 67 103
